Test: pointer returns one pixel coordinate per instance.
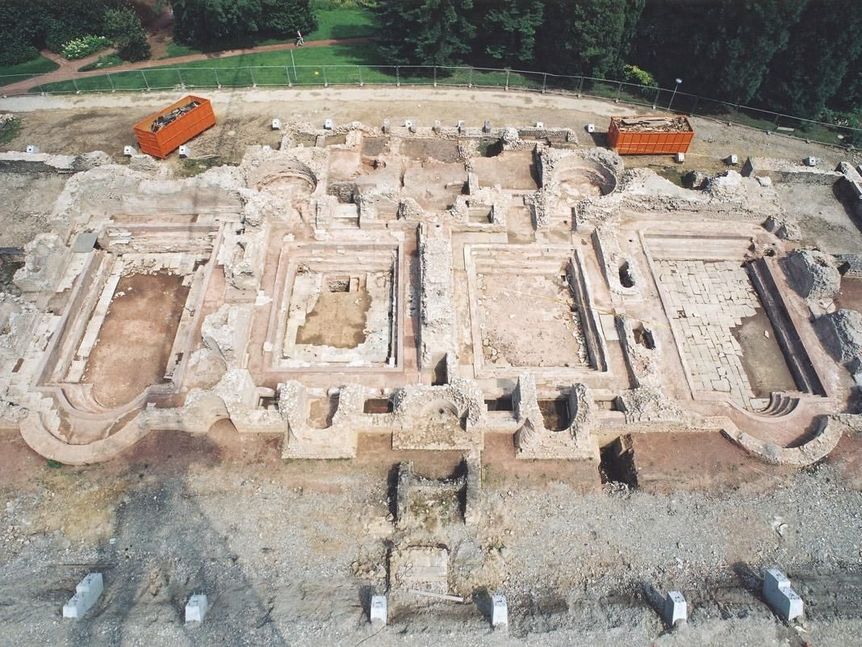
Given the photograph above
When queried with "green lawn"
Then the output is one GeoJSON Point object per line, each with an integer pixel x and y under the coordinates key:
{"type": "Point", "coordinates": [343, 23]}
{"type": "Point", "coordinates": [23, 71]}
{"type": "Point", "coordinates": [109, 60]}
{"type": "Point", "coordinates": [336, 64]}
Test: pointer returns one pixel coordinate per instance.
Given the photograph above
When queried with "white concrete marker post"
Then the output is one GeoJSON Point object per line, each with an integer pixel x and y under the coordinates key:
{"type": "Point", "coordinates": [185, 151]}
{"type": "Point", "coordinates": [86, 594]}
{"type": "Point", "coordinates": [591, 128]}
{"type": "Point", "coordinates": [377, 612]}
{"type": "Point", "coordinates": [31, 149]}
{"type": "Point", "coordinates": [680, 158]}
{"type": "Point", "coordinates": [785, 602]}
{"type": "Point", "coordinates": [276, 124]}
{"type": "Point", "coordinates": [328, 124]}
{"type": "Point", "coordinates": [499, 611]}
{"type": "Point", "coordinates": [196, 608]}
{"type": "Point", "coordinates": [128, 151]}
{"type": "Point", "coordinates": [675, 608]}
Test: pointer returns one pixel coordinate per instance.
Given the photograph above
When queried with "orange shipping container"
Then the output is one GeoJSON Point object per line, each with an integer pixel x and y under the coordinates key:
{"type": "Point", "coordinates": [650, 135]}
{"type": "Point", "coordinates": [171, 136]}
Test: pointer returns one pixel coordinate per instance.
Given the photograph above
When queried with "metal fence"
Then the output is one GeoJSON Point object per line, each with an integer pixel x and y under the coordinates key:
{"type": "Point", "coordinates": [190, 78]}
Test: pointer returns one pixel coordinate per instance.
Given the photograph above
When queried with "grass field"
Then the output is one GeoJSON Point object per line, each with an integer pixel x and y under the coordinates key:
{"type": "Point", "coordinates": [22, 71]}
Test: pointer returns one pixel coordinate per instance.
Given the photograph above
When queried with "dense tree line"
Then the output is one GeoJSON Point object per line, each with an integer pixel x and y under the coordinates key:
{"type": "Point", "coordinates": [796, 56]}
{"type": "Point", "coordinates": [27, 26]}
{"type": "Point", "coordinates": [222, 23]}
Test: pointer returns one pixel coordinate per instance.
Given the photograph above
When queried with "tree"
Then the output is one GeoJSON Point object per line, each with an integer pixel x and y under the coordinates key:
{"type": "Point", "coordinates": [285, 17]}
{"type": "Point", "coordinates": [123, 26]}
{"type": "Point", "coordinates": [811, 68]}
{"type": "Point", "coordinates": [721, 48]}
{"type": "Point", "coordinates": [426, 32]}
{"type": "Point", "coordinates": [587, 37]}
{"type": "Point", "coordinates": [215, 22]}
{"type": "Point", "coordinates": [20, 31]}
{"type": "Point", "coordinates": [508, 33]}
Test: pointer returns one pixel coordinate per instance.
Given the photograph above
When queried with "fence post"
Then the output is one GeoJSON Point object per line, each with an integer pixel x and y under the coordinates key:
{"type": "Point", "coordinates": [397, 76]}
{"type": "Point", "coordinates": [470, 79]}
{"type": "Point", "coordinates": [111, 81]}
{"type": "Point", "coordinates": [75, 84]}
{"type": "Point", "coordinates": [180, 76]}
{"type": "Point", "coordinates": [359, 70]}
{"type": "Point", "coordinates": [146, 83]}
{"type": "Point", "coordinates": [325, 81]}
{"type": "Point", "coordinates": [218, 80]}
{"type": "Point", "coordinates": [694, 106]}
{"type": "Point", "coordinates": [619, 91]}
{"type": "Point", "coordinates": [287, 74]}
{"type": "Point", "coordinates": [251, 74]}
{"type": "Point", "coordinates": [544, 82]}
{"type": "Point", "coordinates": [580, 86]}
{"type": "Point", "coordinates": [508, 72]}
{"type": "Point", "coordinates": [435, 76]}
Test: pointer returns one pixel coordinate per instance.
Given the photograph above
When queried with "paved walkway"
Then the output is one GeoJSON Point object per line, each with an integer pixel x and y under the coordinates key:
{"type": "Point", "coordinates": [68, 70]}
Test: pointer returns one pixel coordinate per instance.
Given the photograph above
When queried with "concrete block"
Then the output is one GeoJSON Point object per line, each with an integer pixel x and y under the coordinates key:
{"type": "Point", "coordinates": [810, 161]}
{"type": "Point", "coordinates": [486, 127]}
{"type": "Point", "coordinates": [408, 124]}
{"type": "Point", "coordinates": [679, 158]}
{"type": "Point", "coordinates": [31, 149]}
{"type": "Point", "coordinates": [276, 124]}
{"type": "Point", "coordinates": [499, 611]}
{"type": "Point", "coordinates": [675, 608]}
{"type": "Point", "coordinates": [540, 124]}
{"type": "Point", "coordinates": [86, 594]}
{"type": "Point", "coordinates": [377, 612]}
{"type": "Point", "coordinates": [185, 151]}
{"type": "Point", "coordinates": [779, 595]}
{"type": "Point", "coordinates": [591, 128]}
{"type": "Point", "coordinates": [438, 125]}
{"type": "Point", "coordinates": [460, 126]}
{"type": "Point", "coordinates": [328, 124]}
{"type": "Point", "coordinates": [196, 608]}
{"type": "Point", "coordinates": [387, 127]}
{"type": "Point", "coordinates": [129, 151]}
{"type": "Point", "coordinates": [731, 160]}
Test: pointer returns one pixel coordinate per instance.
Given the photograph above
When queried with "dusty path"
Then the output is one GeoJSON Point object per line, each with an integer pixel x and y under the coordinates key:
{"type": "Point", "coordinates": [68, 70]}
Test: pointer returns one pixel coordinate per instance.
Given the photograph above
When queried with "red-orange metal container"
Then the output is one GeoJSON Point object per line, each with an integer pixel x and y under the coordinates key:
{"type": "Point", "coordinates": [170, 137]}
{"type": "Point", "coordinates": [648, 142]}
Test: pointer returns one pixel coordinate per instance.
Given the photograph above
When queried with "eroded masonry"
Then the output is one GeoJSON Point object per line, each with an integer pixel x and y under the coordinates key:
{"type": "Point", "coordinates": [432, 285]}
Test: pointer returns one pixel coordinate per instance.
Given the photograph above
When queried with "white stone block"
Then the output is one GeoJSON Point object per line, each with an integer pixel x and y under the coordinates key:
{"type": "Point", "coordinates": [129, 151]}
{"type": "Point", "coordinates": [408, 124]}
{"type": "Point", "coordinates": [486, 127]}
{"type": "Point", "coordinates": [675, 608]}
{"type": "Point", "coordinates": [328, 124]}
{"type": "Point", "coordinates": [732, 160]}
{"type": "Point", "coordinates": [276, 124]}
{"type": "Point", "coordinates": [377, 612]}
{"type": "Point", "coordinates": [86, 594]}
{"type": "Point", "coordinates": [679, 158]}
{"type": "Point", "coordinates": [811, 161]}
{"type": "Point", "coordinates": [779, 595]}
{"type": "Point", "coordinates": [196, 608]}
{"type": "Point", "coordinates": [499, 611]}
{"type": "Point", "coordinates": [31, 149]}
{"type": "Point", "coordinates": [185, 151]}
{"type": "Point", "coordinates": [591, 128]}
{"type": "Point", "coordinates": [540, 124]}
{"type": "Point", "coordinates": [387, 126]}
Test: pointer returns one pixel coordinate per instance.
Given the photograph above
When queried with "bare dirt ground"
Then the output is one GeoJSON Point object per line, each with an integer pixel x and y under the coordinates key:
{"type": "Point", "coordinates": [276, 545]}
{"type": "Point", "coordinates": [338, 319]}
{"type": "Point", "coordinates": [543, 306]}
{"type": "Point", "coordinates": [136, 337]}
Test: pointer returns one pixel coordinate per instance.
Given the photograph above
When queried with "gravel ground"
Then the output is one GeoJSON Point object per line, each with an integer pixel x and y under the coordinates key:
{"type": "Point", "coordinates": [288, 551]}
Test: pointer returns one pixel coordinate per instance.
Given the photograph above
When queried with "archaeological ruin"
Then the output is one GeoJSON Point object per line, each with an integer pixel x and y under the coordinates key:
{"type": "Point", "coordinates": [434, 286]}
